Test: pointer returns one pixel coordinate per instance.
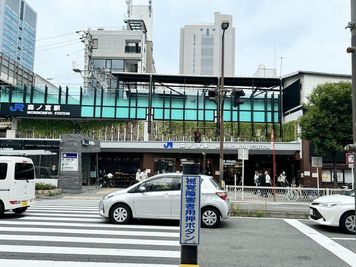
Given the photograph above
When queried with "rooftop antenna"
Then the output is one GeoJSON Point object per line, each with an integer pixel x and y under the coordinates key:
{"type": "Point", "coordinates": [150, 7]}
{"type": "Point", "coordinates": [129, 3]}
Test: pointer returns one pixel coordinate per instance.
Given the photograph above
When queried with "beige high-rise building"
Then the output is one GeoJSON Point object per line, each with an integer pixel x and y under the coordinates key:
{"type": "Point", "coordinates": [200, 48]}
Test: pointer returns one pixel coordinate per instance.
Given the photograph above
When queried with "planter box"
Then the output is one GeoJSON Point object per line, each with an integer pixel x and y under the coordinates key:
{"type": "Point", "coordinates": [51, 192]}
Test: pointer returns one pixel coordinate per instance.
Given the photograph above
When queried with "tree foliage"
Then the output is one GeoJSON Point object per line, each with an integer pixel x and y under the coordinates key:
{"type": "Point", "coordinates": [327, 122]}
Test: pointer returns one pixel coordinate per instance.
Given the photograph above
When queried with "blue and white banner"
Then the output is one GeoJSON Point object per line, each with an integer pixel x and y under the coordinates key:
{"type": "Point", "coordinates": [190, 210]}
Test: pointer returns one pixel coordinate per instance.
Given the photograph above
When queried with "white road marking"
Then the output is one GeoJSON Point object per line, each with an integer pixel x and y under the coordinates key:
{"type": "Point", "coordinates": [22, 263]}
{"type": "Point", "coordinates": [90, 225]}
{"type": "Point", "coordinates": [58, 219]}
{"type": "Point", "coordinates": [64, 208]}
{"type": "Point", "coordinates": [72, 239]}
{"type": "Point", "coordinates": [64, 211]}
{"type": "Point", "coordinates": [90, 231]}
{"type": "Point", "coordinates": [90, 251]}
{"type": "Point", "coordinates": [63, 215]}
{"type": "Point", "coordinates": [343, 253]}
{"type": "Point", "coordinates": [343, 238]}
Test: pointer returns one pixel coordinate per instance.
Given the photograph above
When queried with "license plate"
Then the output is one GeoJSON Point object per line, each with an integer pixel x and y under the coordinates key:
{"type": "Point", "coordinates": [24, 203]}
{"type": "Point", "coordinates": [311, 211]}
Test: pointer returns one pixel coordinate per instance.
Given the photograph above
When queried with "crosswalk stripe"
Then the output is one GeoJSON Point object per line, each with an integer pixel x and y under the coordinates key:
{"type": "Point", "coordinates": [64, 215]}
{"type": "Point", "coordinates": [90, 231]}
{"type": "Point", "coordinates": [61, 219]}
{"type": "Point", "coordinates": [90, 225]}
{"type": "Point", "coordinates": [90, 251]}
{"type": "Point", "coordinates": [21, 263]}
{"type": "Point", "coordinates": [65, 211]}
{"type": "Point", "coordinates": [76, 232]}
{"type": "Point", "coordinates": [72, 239]}
{"type": "Point", "coordinates": [64, 208]}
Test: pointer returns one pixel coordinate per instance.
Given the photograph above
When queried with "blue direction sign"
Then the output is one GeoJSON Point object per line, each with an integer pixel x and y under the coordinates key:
{"type": "Point", "coordinates": [190, 210]}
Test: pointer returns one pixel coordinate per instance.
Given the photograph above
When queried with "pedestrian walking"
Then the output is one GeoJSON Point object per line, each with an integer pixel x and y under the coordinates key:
{"type": "Point", "coordinates": [267, 179]}
{"type": "Point", "coordinates": [143, 175]}
{"type": "Point", "coordinates": [255, 179]}
{"type": "Point", "coordinates": [282, 179]}
{"type": "Point", "coordinates": [138, 175]}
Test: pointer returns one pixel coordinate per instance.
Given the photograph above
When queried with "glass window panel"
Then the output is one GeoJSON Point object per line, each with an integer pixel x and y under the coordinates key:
{"type": "Point", "coordinates": [259, 117]}
{"type": "Point", "coordinates": [190, 115]}
{"type": "Point", "coordinates": [118, 64]}
{"type": "Point", "coordinates": [97, 112]}
{"type": "Point", "coordinates": [108, 112]}
{"type": "Point", "coordinates": [122, 113]}
{"type": "Point", "coordinates": [245, 116]}
{"type": "Point", "coordinates": [108, 99]}
{"type": "Point", "coordinates": [108, 63]}
{"type": "Point", "coordinates": [141, 113]}
{"type": "Point", "coordinates": [99, 63]}
{"type": "Point", "coordinates": [3, 170]}
{"type": "Point", "coordinates": [88, 98]}
{"type": "Point", "coordinates": [158, 114]}
{"type": "Point", "coordinates": [87, 112]}
{"type": "Point", "coordinates": [38, 96]}
{"type": "Point", "coordinates": [177, 114]}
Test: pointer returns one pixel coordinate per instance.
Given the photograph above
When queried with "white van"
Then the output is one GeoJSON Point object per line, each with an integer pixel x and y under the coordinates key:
{"type": "Point", "coordinates": [17, 183]}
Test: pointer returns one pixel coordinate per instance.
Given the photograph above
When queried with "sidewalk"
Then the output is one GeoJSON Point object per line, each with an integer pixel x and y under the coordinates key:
{"type": "Point", "coordinates": [251, 208]}
{"type": "Point", "coordinates": [90, 192]}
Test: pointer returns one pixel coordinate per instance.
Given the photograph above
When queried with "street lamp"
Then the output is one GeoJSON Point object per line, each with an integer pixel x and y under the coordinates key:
{"type": "Point", "coordinates": [224, 26]}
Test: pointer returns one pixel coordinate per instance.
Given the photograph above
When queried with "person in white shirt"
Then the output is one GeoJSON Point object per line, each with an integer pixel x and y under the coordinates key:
{"type": "Point", "coordinates": [267, 178]}
{"type": "Point", "coordinates": [282, 179]}
{"type": "Point", "coordinates": [138, 175]}
{"type": "Point", "coordinates": [143, 175]}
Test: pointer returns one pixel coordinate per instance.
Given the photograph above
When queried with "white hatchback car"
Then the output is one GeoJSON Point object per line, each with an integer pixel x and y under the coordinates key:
{"type": "Point", "coordinates": [335, 210]}
{"type": "Point", "coordinates": [158, 197]}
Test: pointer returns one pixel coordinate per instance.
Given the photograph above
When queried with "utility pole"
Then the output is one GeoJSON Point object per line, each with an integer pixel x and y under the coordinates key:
{"type": "Point", "coordinates": [87, 39]}
{"type": "Point", "coordinates": [352, 26]}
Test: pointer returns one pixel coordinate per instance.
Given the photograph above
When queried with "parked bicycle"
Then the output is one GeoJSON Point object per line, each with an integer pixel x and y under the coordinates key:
{"type": "Point", "coordinates": [292, 194]}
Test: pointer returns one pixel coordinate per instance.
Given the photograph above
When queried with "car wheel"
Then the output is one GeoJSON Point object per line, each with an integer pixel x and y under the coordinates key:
{"type": "Point", "coordinates": [20, 210]}
{"type": "Point", "coordinates": [347, 222]}
{"type": "Point", "coordinates": [210, 217]}
{"type": "Point", "coordinates": [120, 213]}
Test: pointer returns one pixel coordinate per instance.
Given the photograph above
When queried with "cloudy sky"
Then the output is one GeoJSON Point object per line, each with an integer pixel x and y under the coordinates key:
{"type": "Point", "coordinates": [306, 34]}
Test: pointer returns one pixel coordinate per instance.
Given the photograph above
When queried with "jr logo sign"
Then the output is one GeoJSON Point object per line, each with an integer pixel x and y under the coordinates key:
{"type": "Point", "coordinates": [17, 107]}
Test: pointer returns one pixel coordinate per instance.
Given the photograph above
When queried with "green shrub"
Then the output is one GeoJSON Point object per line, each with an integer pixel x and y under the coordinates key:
{"type": "Point", "coordinates": [43, 186]}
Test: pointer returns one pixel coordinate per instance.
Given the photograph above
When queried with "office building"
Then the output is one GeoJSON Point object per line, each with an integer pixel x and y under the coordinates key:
{"type": "Point", "coordinates": [18, 32]}
{"type": "Point", "coordinates": [110, 51]}
{"type": "Point", "coordinates": [200, 48]}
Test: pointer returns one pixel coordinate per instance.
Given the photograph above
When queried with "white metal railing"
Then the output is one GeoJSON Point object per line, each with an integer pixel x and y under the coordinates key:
{"type": "Point", "coordinates": [279, 194]}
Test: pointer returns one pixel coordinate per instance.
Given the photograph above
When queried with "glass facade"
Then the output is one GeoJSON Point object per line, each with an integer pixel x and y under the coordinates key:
{"type": "Point", "coordinates": [19, 33]}
{"type": "Point", "coordinates": [134, 104]}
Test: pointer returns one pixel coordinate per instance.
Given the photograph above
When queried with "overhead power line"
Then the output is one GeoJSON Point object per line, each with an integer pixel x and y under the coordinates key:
{"type": "Point", "coordinates": [55, 36]}
{"type": "Point", "coordinates": [56, 43]}
{"type": "Point", "coordinates": [58, 46]}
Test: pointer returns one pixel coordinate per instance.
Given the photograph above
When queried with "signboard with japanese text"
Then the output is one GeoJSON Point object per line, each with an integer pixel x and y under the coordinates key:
{"type": "Point", "coordinates": [40, 110]}
{"type": "Point", "coordinates": [190, 210]}
{"type": "Point", "coordinates": [69, 162]}
{"type": "Point", "coordinates": [317, 162]}
{"type": "Point", "coordinates": [350, 158]}
{"type": "Point", "coordinates": [242, 154]}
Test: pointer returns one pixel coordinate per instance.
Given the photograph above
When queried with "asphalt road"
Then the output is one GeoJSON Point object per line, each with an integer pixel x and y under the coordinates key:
{"type": "Point", "coordinates": [268, 242]}
{"type": "Point", "coordinates": [71, 233]}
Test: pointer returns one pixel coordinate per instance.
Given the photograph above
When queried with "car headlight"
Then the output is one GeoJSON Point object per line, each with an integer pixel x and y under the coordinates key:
{"type": "Point", "coordinates": [329, 204]}
{"type": "Point", "coordinates": [107, 197]}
